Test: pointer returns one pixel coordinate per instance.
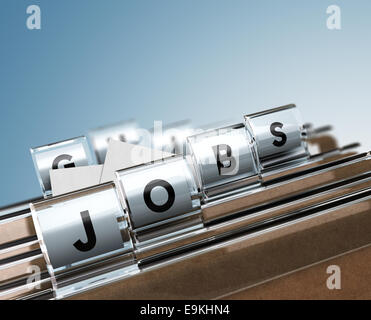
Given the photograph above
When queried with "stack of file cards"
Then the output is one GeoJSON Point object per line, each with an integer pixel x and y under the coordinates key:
{"type": "Point", "coordinates": [268, 207]}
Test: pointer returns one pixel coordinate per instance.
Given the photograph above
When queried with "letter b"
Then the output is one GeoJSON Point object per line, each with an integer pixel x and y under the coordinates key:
{"type": "Point", "coordinates": [224, 160]}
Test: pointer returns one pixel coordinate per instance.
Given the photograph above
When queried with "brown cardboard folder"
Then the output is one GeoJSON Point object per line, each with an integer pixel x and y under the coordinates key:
{"type": "Point", "coordinates": [275, 243]}
{"type": "Point", "coordinates": [284, 261]}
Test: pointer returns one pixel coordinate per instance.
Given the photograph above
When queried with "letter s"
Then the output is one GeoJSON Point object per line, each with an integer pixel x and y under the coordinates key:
{"type": "Point", "coordinates": [225, 162]}
{"type": "Point", "coordinates": [279, 134]}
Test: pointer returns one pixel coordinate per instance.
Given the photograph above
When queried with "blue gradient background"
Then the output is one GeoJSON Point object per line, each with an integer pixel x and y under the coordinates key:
{"type": "Point", "coordinates": [95, 62]}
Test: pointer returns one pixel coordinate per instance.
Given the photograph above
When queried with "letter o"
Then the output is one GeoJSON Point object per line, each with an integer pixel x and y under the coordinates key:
{"type": "Point", "coordinates": [147, 195]}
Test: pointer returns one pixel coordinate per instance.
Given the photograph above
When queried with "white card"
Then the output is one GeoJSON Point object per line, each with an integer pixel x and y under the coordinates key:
{"type": "Point", "coordinates": [72, 179]}
{"type": "Point", "coordinates": [122, 155]}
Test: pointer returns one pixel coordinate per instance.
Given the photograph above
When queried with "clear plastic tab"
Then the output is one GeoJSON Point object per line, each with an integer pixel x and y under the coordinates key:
{"type": "Point", "coordinates": [126, 131]}
{"type": "Point", "coordinates": [279, 135]}
{"type": "Point", "coordinates": [223, 157]}
{"type": "Point", "coordinates": [156, 192]}
{"type": "Point", "coordinates": [81, 228]}
{"type": "Point", "coordinates": [65, 154]}
{"type": "Point", "coordinates": [172, 137]}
